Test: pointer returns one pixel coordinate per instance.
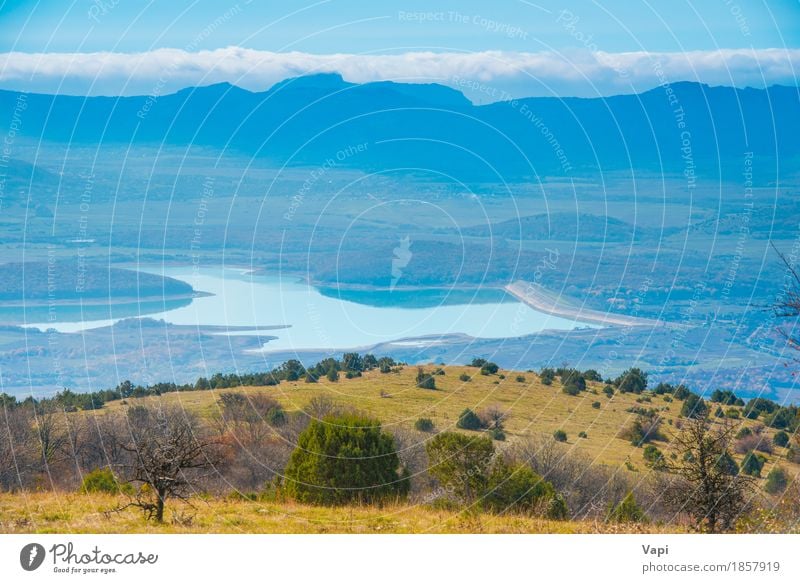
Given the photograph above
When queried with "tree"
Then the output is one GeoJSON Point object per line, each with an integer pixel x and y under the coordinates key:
{"type": "Point", "coordinates": [781, 439]}
{"type": "Point", "coordinates": [461, 464]}
{"type": "Point", "coordinates": [169, 453]}
{"type": "Point", "coordinates": [694, 406]}
{"type": "Point", "coordinates": [777, 480]}
{"type": "Point", "coordinates": [632, 380]}
{"type": "Point", "coordinates": [626, 511]}
{"type": "Point", "coordinates": [343, 459]}
{"type": "Point", "coordinates": [547, 375]}
{"type": "Point", "coordinates": [752, 464]}
{"type": "Point", "coordinates": [706, 488]}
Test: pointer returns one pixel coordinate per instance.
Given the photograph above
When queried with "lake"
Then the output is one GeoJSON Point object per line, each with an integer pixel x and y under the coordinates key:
{"type": "Point", "coordinates": [328, 318]}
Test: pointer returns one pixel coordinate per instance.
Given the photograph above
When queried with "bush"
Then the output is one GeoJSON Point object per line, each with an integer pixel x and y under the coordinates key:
{"type": "Point", "coordinates": [777, 480]}
{"type": "Point", "coordinates": [465, 378]}
{"type": "Point", "coordinates": [478, 362]}
{"type": "Point", "coordinates": [469, 420]}
{"type": "Point", "coordinates": [497, 434]}
{"type": "Point", "coordinates": [489, 368]}
{"type": "Point", "coordinates": [627, 511]}
{"type": "Point", "coordinates": [332, 375]}
{"type": "Point", "coordinates": [596, 405]}
{"type": "Point", "coordinates": [752, 464]}
{"type": "Point", "coordinates": [732, 413]}
{"type": "Point", "coordinates": [345, 459]}
{"type": "Point", "coordinates": [102, 480]}
{"type": "Point", "coordinates": [517, 488]}
{"type": "Point", "coordinates": [592, 375]}
{"type": "Point", "coordinates": [520, 378]}
{"type": "Point", "coordinates": [583, 435]}
{"type": "Point", "coordinates": [572, 390]}
{"type": "Point", "coordinates": [632, 380]}
{"type": "Point", "coordinates": [781, 439]}
{"type": "Point", "coordinates": [609, 391]}
{"type": "Point", "coordinates": [694, 407]}
{"type": "Point", "coordinates": [653, 457]}
{"type": "Point", "coordinates": [547, 376]}
{"type": "Point", "coordinates": [643, 429]}
{"type": "Point", "coordinates": [425, 380]}
{"type": "Point", "coordinates": [560, 435]}
{"type": "Point", "coordinates": [744, 432]}
{"type": "Point", "coordinates": [681, 392]}
{"type": "Point", "coordinates": [461, 464]}
{"type": "Point", "coordinates": [753, 442]}
{"type": "Point", "coordinates": [423, 424]}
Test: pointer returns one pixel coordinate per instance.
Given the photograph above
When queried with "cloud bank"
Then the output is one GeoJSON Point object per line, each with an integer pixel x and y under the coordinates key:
{"type": "Point", "coordinates": [483, 76]}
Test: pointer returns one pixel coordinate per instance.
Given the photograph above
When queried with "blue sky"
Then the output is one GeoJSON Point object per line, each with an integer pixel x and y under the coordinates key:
{"type": "Point", "coordinates": [551, 46]}
{"type": "Point", "coordinates": [359, 26]}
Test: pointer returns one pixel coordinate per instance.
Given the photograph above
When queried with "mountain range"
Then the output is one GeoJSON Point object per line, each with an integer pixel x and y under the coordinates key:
{"type": "Point", "coordinates": [682, 127]}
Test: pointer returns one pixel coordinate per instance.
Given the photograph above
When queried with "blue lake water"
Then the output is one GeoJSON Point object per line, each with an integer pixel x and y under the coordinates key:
{"type": "Point", "coordinates": [331, 318]}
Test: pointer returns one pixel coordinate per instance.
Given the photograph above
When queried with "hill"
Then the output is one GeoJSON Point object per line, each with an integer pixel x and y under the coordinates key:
{"type": "Point", "coordinates": [687, 127]}
{"type": "Point", "coordinates": [533, 409]}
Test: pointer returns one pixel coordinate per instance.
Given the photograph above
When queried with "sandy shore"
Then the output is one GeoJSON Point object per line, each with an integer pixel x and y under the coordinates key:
{"type": "Point", "coordinates": [548, 302]}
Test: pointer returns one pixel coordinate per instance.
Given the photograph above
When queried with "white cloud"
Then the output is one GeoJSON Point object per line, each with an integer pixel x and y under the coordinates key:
{"type": "Point", "coordinates": [484, 76]}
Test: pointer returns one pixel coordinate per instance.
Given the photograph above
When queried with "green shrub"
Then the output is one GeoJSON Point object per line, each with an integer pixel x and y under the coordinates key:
{"type": "Point", "coordinates": [425, 380]}
{"type": "Point", "coordinates": [732, 414]}
{"type": "Point", "coordinates": [744, 432]}
{"type": "Point", "coordinates": [547, 376]}
{"type": "Point", "coordinates": [345, 459]}
{"type": "Point", "coordinates": [102, 480]}
{"type": "Point", "coordinates": [781, 439]}
{"type": "Point", "coordinates": [465, 378]}
{"type": "Point", "coordinates": [609, 391]}
{"type": "Point", "coordinates": [461, 464]}
{"type": "Point", "coordinates": [777, 480]}
{"type": "Point", "coordinates": [469, 420]}
{"type": "Point", "coordinates": [571, 389]}
{"type": "Point", "coordinates": [497, 434]}
{"type": "Point", "coordinates": [627, 511]}
{"type": "Point", "coordinates": [681, 392]}
{"type": "Point", "coordinates": [516, 488]}
{"type": "Point", "coordinates": [596, 405]}
{"type": "Point", "coordinates": [332, 375]}
{"type": "Point", "coordinates": [653, 457]}
{"type": "Point", "coordinates": [423, 424]}
{"type": "Point", "coordinates": [520, 378]}
{"type": "Point", "coordinates": [489, 368]}
{"type": "Point", "coordinates": [752, 464]}
{"type": "Point", "coordinates": [633, 380]}
{"type": "Point", "coordinates": [693, 407]}
{"type": "Point", "coordinates": [560, 435]}
{"type": "Point", "coordinates": [583, 435]}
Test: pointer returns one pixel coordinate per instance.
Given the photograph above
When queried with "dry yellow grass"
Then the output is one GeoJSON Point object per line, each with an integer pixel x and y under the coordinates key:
{"type": "Point", "coordinates": [94, 513]}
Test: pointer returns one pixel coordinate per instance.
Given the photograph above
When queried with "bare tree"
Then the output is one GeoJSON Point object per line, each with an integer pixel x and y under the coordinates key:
{"type": "Point", "coordinates": [707, 485]}
{"type": "Point", "coordinates": [16, 451]}
{"type": "Point", "coordinates": [169, 454]}
{"type": "Point", "coordinates": [787, 304]}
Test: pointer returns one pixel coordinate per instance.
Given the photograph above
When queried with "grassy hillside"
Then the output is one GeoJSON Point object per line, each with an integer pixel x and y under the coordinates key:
{"type": "Point", "coordinates": [82, 513]}
{"type": "Point", "coordinates": [534, 408]}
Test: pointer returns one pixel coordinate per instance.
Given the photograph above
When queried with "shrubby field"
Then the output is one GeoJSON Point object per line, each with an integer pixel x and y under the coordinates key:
{"type": "Point", "coordinates": [366, 444]}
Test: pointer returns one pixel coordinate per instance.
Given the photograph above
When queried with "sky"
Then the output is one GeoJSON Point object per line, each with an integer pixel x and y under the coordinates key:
{"type": "Point", "coordinates": [488, 49]}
